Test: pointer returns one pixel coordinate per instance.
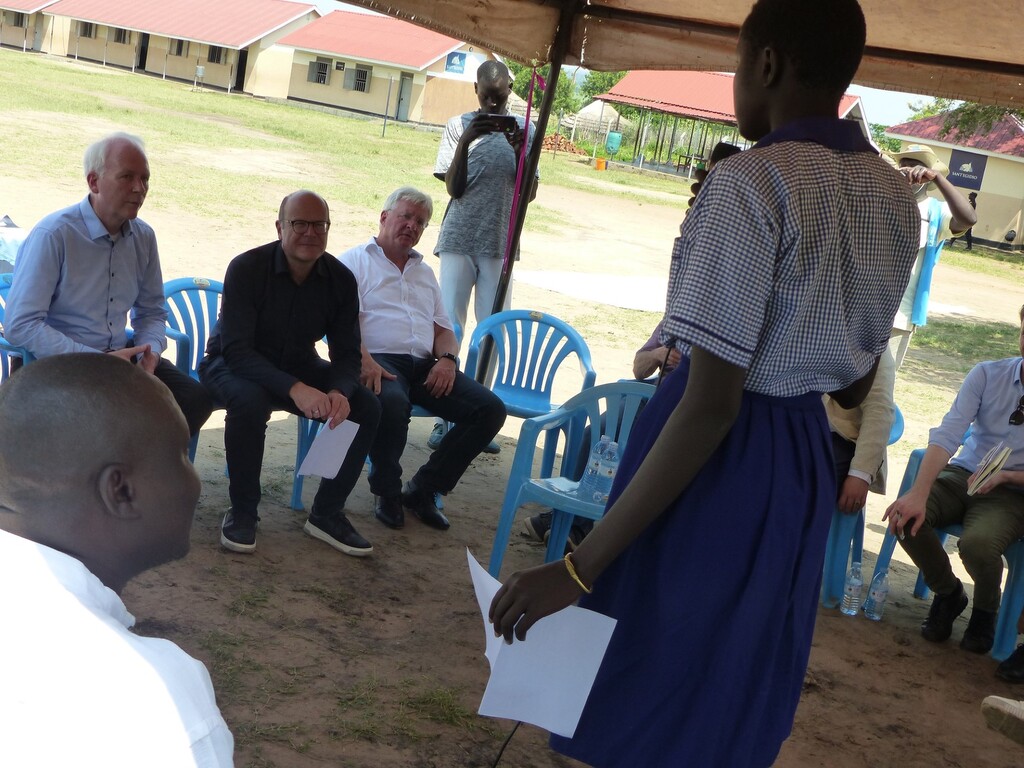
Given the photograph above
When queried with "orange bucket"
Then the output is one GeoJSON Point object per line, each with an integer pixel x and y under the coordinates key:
{"type": "Point", "coordinates": [600, 164]}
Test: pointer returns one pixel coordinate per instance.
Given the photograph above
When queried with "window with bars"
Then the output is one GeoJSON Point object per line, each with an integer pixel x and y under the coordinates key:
{"type": "Point", "coordinates": [86, 29]}
{"type": "Point", "coordinates": [215, 55]}
{"type": "Point", "coordinates": [357, 78]}
{"type": "Point", "coordinates": [319, 71]}
{"type": "Point", "coordinates": [120, 36]}
{"type": "Point", "coordinates": [178, 48]}
{"type": "Point", "coordinates": [18, 20]}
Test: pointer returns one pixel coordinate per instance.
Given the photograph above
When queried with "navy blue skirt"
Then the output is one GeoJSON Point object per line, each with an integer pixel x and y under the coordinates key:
{"type": "Point", "coordinates": [716, 600]}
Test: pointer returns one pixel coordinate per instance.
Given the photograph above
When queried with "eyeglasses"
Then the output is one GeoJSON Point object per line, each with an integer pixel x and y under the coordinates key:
{"type": "Point", "coordinates": [300, 226]}
{"type": "Point", "coordinates": [1017, 417]}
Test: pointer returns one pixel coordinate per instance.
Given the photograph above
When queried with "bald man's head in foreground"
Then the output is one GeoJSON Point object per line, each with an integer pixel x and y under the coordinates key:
{"type": "Point", "coordinates": [94, 456]}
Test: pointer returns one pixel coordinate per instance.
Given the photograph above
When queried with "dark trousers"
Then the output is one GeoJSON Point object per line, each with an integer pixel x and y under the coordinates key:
{"type": "Point", "coordinates": [189, 394]}
{"type": "Point", "coordinates": [249, 406]}
{"type": "Point", "coordinates": [476, 412]}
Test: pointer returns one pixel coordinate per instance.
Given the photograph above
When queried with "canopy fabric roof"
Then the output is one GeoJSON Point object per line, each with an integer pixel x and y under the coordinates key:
{"type": "Point", "coordinates": [921, 47]}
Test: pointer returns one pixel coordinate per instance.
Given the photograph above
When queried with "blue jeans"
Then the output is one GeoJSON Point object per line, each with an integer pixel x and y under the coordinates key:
{"type": "Point", "coordinates": [476, 412]}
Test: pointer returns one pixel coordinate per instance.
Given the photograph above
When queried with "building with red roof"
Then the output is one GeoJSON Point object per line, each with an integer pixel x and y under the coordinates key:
{"type": "Point", "coordinates": [989, 162]}
{"type": "Point", "coordinates": [377, 65]}
{"type": "Point", "coordinates": [22, 23]}
{"type": "Point", "coordinates": [219, 42]}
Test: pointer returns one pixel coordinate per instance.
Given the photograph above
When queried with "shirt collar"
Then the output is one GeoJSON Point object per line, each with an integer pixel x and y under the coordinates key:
{"type": "Point", "coordinates": [831, 132]}
{"type": "Point", "coordinates": [93, 224]}
{"type": "Point", "coordinates": [374, 246]}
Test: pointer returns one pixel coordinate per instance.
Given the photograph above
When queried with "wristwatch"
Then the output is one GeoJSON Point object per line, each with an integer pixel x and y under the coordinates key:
{"type": "Point", "coordinates": [449, 356]}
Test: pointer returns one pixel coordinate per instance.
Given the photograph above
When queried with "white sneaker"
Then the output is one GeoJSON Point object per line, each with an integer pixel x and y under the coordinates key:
{"type": "Point", "coordinates": [1005, 716]}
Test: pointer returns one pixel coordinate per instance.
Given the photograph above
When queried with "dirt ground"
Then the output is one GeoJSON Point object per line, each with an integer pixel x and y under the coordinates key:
{"type": "Point", "coordinates": [321, 659]}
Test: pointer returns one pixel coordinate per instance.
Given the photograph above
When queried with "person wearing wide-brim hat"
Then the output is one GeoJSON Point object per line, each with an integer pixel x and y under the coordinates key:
{"type": "Point", "coordinates": [941, 219]}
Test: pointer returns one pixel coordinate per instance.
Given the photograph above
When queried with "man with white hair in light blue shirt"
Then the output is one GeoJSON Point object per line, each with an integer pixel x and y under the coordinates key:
{"type": "Point", "coordinates": [83, 269]}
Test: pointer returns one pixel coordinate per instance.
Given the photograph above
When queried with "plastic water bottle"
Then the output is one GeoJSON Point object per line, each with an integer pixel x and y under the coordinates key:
{"type": "Point", "coordinates": [877, 595]}
{"type": "Point", "coordinates": [588, 483]}
{"type": "Point", "coordinates": [609, 466]}
{"type": "Point", "coordinates": [852, 591]}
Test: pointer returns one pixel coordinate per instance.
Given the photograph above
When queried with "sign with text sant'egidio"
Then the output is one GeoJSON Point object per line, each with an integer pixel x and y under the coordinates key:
{"type": "Point", "coordinates": [966, 169]}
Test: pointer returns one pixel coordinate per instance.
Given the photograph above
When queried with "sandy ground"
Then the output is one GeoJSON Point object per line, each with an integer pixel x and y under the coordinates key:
{"type": "Point", "coordinates": [320, 659]}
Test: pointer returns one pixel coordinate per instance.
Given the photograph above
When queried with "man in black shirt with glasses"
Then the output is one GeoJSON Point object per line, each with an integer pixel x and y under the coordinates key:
{"type": "Point", "coordinates": [279, 300]}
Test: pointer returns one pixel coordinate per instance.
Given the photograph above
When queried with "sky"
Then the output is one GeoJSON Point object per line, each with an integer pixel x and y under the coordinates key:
{"type": "Point", "coordinates": [886, 107]}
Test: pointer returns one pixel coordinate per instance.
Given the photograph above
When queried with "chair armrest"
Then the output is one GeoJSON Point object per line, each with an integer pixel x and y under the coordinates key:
{"type": "Point", "coordinates": [24, 354]}
{"type": "Point", "coordinates": [183, 356]}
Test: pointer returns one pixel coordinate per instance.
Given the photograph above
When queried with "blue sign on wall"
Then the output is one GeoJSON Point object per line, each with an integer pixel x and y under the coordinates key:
{"type": "Point", "coordinates": [456, 63]}
{"type": "Point", "coordinates": [966, 169]}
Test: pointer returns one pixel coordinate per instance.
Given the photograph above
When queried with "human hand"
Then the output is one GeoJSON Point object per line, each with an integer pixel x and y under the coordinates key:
{"type": "Point", "coordinates": [441, 378]}
{"type": "Point", "coordinates": [371, 374]}
{"type": "Point", "coordinates": [149, 360]}
{"type": "Point", "coordinates": [528, 596]}
{"type": "Point", "coordinates": [130, 353]}
{"type": "Point", "coordinates": [313, 403]}
{"type": "Point", "coordinates": [852, 495]}
{"type": "Point", "coordinates": [906, 509]}
{"type": "Point", "coordinates": [674, 356]}
{"type": "Point", "coordinates": [1001, 477]}
{"type": "Point", "coordinates": [483, 124]}
{"type": "Point", "coordinates": [340, 408]}
{"type": "Point", "coordinates": [918, 174]}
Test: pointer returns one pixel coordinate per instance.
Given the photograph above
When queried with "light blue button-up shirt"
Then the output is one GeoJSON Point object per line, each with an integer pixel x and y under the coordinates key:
{"type": "Point", "coordinates": [989, 394]}
{"type": "Point", "coordinates": [74, 286]}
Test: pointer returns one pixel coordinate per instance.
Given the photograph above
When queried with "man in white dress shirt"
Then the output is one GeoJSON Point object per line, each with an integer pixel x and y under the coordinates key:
{"type": "Point", "coordinates": [410, 358]}
{"type": "Point", "coordinates": [97, 488]}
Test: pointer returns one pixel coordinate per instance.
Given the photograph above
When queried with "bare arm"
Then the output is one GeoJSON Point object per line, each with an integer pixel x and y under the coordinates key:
{"type": "Point", "coordinates": [693, 431]}
{"type": "Point", "coordinates": [910, 507]}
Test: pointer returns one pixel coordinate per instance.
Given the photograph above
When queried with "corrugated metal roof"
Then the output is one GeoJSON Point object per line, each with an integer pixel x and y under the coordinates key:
{"type": "Point", "coordinates": [25, 6]}
{"type": "Point", "coordinates": [1006, 136]}
{"type": "Point", "coordinates": [372, 38]}
{"type": "Point", "coordinates": [226, 23]}
{"type": "Point", "coordinates": [701, 95]}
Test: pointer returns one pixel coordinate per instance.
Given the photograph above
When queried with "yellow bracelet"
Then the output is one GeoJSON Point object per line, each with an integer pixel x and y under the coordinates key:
{"type": "Point", "coordinates": [575, 576]}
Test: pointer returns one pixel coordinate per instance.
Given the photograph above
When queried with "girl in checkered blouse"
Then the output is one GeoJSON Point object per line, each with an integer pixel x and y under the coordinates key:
{"type": "Point", "coordinates": [783, 285]}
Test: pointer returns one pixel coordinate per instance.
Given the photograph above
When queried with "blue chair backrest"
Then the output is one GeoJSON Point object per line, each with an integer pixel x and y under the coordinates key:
{"type": "Point", "coordinates": [192, 304]}
{"type": "Point", "coordinates": [896, 430]}
{"type": "Point", "coordinates": [609, 409]}
{"type": "Point", "coordinates": [529, 347]}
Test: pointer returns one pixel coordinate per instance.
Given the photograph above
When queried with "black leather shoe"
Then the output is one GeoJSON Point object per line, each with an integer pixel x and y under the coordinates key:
{"type": "Point", "coordinates": [389, 510]}
{"type": "Point", "coordinates": [421, 503]}
{"type": "Point", "coordinates": [945, 608]}
{"type": "Point", "coordinates": [980, 633]}
{"type": "Point", "coordinates": [1012, 668]}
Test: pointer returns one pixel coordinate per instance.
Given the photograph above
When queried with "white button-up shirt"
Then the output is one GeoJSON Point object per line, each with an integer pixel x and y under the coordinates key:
{"type": "Point", "coordinates": [397, 308]}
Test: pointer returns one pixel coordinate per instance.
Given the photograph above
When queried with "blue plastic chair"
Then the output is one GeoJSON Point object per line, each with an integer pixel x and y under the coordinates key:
{"type": "Point", "coordinates": [7, 350]}
{"type": "Point", "coordinates": [846, 538]}
{"type": "Point", "coordinates": [619, 403]}
{"type": "Point", "coordinates": [1012, 602]}
{"type": "Point", "coordinates": [529, 347]}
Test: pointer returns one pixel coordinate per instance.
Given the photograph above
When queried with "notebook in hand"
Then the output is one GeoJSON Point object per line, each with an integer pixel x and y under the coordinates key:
{"type": "Point", "coordinates": [988, 466]}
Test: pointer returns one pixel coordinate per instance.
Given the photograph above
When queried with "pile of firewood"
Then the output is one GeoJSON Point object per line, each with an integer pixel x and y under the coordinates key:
{"type": "Point", "coordinates": [556, 142]}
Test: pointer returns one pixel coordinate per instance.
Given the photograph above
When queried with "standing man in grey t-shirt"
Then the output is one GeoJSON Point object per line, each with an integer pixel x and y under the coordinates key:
{"type": "Point", "coordinates": [477, 160]}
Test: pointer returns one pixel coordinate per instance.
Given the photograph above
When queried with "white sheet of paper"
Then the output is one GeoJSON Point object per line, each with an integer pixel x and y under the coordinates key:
{"type": "Point", "coordinates": [329, 449]}
{"type": "Point", "coordinates": [546, 679]}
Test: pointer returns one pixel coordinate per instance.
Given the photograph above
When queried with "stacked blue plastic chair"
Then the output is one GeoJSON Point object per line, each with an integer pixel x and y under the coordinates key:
{"type": "Point", "coordinates": [846, 538]}
{"type": "Point", "coordinates": [529, 347]}
{"type": "Point", "coordinates": [615, 406]}
{"type": "Point", "coordinates": [1012, 602]}
{"type": "Point", "coordinates": [7, 350]}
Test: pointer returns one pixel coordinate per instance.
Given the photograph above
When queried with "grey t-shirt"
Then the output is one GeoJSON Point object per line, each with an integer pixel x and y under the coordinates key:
{"type": "Point", "coordinates": [477, 223]}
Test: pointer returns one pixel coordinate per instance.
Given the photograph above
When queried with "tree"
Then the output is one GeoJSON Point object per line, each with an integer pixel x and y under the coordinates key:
{"type": "Point", "coordinates": [597, 83]}
{"type": "Point", "coordinates": [566, 98]}
{"type": "Point", "coordinates": [962, 118]}
{"type": "Point", "coordinates": [882, 141]}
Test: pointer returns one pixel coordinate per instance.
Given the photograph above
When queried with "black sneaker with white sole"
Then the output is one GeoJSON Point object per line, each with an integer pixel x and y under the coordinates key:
{"type": "Point", "coordinates": [238, 534]}
{"type": "Point", "coordinates": [337, 531]}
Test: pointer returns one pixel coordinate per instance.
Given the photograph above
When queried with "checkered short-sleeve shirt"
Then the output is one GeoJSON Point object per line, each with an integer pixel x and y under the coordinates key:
{"type": "Point", "coordinates": [791, 264]}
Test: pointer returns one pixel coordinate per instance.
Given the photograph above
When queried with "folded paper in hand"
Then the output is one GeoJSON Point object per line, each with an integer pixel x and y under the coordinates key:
{"type": "Point", "coordinates": [988, 466]}
{"type": "Point", "coordinates": [545, 679]}
{"type": "Point", "coordinates": [329, 449]}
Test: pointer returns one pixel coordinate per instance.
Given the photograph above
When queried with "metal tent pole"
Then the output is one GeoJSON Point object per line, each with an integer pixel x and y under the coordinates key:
{"type": "Point", "coordinates": [561, 44]}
